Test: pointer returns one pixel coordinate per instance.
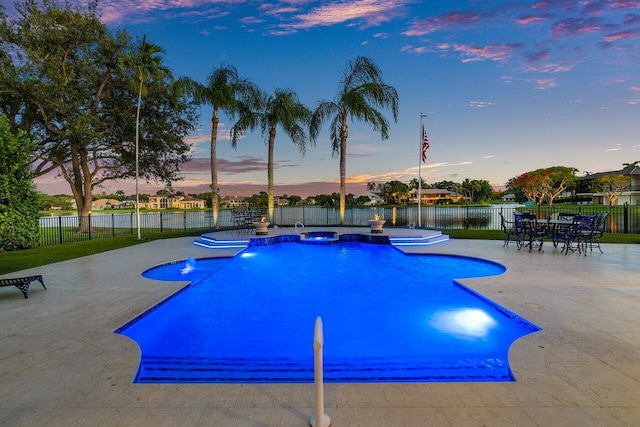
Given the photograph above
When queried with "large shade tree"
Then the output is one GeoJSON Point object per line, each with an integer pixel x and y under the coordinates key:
{"type": "Point", "coordinates": [225, 91]}
{"type": "Point", "coordinates": [146, 63]}
{"type": "Point", "coordinates": [284, 110]}
{"type": "Point", "coordinates": [612, 186]}
{"type": "Point", "coordinates": [362, 92]}
{"type": "Point", "coordinates": [545, 184]}
{"type": "Point", "coordinates": [63, 84]}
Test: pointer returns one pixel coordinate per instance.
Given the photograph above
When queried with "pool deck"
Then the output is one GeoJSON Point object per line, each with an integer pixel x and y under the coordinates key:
{"type": "Point", "coordinates": [61, 364]}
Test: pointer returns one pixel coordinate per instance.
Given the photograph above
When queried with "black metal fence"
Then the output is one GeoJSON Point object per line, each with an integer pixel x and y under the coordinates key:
{"type": "Point", "coordinates": [64, 229]}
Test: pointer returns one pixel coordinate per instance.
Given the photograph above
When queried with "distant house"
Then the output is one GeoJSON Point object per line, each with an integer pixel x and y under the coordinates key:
{"type": "Point", "coordinates": [102, 204]}
{"type": "Point", "coordinates": [630, 196]}
{"type": "Point", "coordinates": [280, 201]}
{"type": "Point", "coordinates": [430, 196]}
{"type": "Point", "coordinates": [233, 202]}
{"type": "Point", "coordinates": [129, 203]}
{"type": "Point", "coordinates": [174, 202]}
{"type": "Point", "coordinates": [374, 199]}
{"type": "Point", "coordinates": [508, 197]}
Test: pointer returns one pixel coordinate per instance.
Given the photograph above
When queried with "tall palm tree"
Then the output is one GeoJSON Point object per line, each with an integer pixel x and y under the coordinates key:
{"type": "Point", "coordinates": [225, 91]}
{"type": "Point", "coordinates": [361, 91]}
{"type": "Point", "coordinates": [282, 109]}
{"type": "Point", "coordinates": [147, 64]}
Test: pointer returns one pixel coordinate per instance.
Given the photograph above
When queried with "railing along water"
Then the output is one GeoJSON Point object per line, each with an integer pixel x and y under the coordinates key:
{"type": "Point", "coordinates": [56, 230]}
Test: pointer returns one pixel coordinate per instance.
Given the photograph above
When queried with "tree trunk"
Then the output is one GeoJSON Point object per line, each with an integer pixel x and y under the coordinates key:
{"type": "Point", "coordinates": [80, 182]}
{"type": "Point", "coordinates": [272, 140]}
{"type": "Point", "coordinates": [344, 133]}
{"type": "Point", "coordinates": [138, 161]}
{"type": "Point", "coordinates": [214, 168]}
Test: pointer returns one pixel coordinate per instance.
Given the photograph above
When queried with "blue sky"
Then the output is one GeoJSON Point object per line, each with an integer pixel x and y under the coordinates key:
{"type": "Point", "coordinates": [508, 86]}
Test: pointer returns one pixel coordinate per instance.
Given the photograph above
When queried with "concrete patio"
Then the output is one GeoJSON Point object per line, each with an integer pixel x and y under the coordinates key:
{"type": "Point", "coordinates": [61, 364]}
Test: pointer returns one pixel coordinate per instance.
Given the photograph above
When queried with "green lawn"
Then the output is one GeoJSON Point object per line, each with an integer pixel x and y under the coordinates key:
{"type": "Point", "coordinates": [20, 260]}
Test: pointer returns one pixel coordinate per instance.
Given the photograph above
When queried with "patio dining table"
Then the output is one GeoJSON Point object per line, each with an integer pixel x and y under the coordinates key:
{"type": "Point", "coordinates": [533, 231]}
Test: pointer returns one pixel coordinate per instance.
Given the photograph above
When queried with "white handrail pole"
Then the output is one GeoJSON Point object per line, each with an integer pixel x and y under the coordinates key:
{"type": "Point", "coordinates": [318, 377]}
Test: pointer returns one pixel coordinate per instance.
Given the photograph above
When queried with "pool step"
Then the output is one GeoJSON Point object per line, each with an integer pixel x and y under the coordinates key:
{"type": "Point", "coordinates": [283, 370]}
{"type": "Point", "coordinates": [430, 238]}
{"type": "Point", "coordinates": [212, 243]}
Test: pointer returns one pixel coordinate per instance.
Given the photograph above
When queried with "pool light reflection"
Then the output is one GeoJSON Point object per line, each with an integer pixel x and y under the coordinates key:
{"type": "Point", "coordinates": [468, 322]}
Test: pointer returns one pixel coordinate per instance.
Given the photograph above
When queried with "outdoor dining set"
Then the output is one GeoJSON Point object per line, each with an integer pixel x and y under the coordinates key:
{"type": "Point", "coordinates": [246, 218]}
{"type": "Point", "coordinates": [575, 232]}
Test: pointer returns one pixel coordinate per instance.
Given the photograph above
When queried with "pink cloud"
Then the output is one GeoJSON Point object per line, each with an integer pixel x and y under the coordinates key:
{"type": "Point", "coordinates": [447, 20]}
{"type": "Point", "coordinates": [621, 35]}
{"type": "Point", "coordinates": [551, 68]}
{"type": "Point", "coordinates": [531, 19]}
{"type": "Point", "coordinates": [625, 4]}
{"type": "Point", "coordinates": [373, 12]}
{"type": "Point", "coordinates": [575, 26]}
{"type": "Point", "coordinates": [632, 19]}
{"type": "Point", "coordinates": [493, 52]}
{"type": "Point", "coordinates": [542, 84]}
{"type": "Point", "coordinates": [140, 10]}
{"type": "Point", "coordinates": [538, 56]}
{"type": "Point", "coordinates": [415, 49]}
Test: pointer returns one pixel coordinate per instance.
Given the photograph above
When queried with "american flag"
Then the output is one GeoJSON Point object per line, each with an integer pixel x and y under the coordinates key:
{"type": "Point", "coordinates": [425, 145]}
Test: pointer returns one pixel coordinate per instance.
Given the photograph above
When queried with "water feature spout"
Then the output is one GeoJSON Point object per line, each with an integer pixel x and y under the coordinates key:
{"type": "Point", "coordinates": [298, 223]}
{"type": "Point", "coordinates": [190, 265]}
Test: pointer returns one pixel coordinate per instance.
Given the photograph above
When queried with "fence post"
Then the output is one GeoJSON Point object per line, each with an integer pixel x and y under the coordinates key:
{"type": "Point", "coordinates": [60, 227]}
{"type": "Point", "coordinates": [89, 226]}
{"type": "Point", "coordinates": [113, 225]}
{"type": "Point", "coordinates": [466, 218]}
{"type": "Point", "coordinates": [161, 227]}
{"type": "Point", "coordinates": [625, 218]}
{"type": "Point", "coordinates": [184, 221]}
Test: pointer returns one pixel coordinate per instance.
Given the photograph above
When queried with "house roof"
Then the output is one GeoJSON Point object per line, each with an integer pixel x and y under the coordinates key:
{"type": "Point", "coordinates": [629, 170]}
{"type": "Point", "coordinates": [370, 195]}
{"type": "Point", "coordinates": [103, 202]}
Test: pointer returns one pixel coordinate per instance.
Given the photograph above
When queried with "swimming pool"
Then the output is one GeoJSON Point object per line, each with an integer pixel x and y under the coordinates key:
{"type": "Point", "coordinates": [387, 316]}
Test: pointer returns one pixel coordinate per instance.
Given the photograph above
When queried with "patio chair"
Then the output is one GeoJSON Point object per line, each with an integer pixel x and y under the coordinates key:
{"type": "Point", "coordinates": [508, 228]}
{"type": "Point", "coordinates": [529, 232]}
{"type": "Point", "coordinates": [22, 283]}
{"type": "Point", "coordinates": [579, 234]}
{"type": "Point", "coordinates": [599, 225]}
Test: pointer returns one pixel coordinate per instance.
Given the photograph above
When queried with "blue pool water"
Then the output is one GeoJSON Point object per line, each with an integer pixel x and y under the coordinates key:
{"type": "Point", "coordinates": [387, 316]}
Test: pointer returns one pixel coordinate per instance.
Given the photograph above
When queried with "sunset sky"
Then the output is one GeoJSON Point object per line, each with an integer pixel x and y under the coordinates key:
{"type": "Point", "coordinates": [508, 86]}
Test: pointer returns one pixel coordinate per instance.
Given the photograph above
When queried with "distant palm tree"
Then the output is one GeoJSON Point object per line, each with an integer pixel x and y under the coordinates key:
{"type": "Point", "coordinates": [361, 91]}
{"type": "Point", "coordinates": [282, 109]}
{"type": "Point", "coordinates": [147, 64]}
{"type": "Point", "coordinates": [224, 91]}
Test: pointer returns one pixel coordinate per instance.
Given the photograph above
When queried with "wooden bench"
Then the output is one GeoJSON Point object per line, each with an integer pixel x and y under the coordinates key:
{"type": "Point", "coordinates": [22, 283]}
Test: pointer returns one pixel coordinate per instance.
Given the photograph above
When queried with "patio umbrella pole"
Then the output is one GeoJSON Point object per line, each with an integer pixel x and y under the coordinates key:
{"type": "Point", "coordinates": [318, 343]}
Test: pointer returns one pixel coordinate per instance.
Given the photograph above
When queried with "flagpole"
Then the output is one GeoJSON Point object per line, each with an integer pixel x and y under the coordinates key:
{"type": "Point", "coordinates": [421, 140]}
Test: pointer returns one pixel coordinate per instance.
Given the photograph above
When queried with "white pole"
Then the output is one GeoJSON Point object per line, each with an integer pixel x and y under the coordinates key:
{"type": "Point", "coordinates": [318, 343]}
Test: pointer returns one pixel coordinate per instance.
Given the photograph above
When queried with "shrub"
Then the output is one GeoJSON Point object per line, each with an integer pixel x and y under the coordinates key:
{"type": "Point", "coordinates": [19, 209]}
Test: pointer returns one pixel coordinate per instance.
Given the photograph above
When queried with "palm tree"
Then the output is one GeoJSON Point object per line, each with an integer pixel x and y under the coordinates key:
{"type": "Point", "coordinates": [224, 91]}
{"type": "Point", "coordinates": [361, 92]}
{"type": "Point", "coordinates": [147, 64]}
{"type": "Point", "coordinates": [283, 109]}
